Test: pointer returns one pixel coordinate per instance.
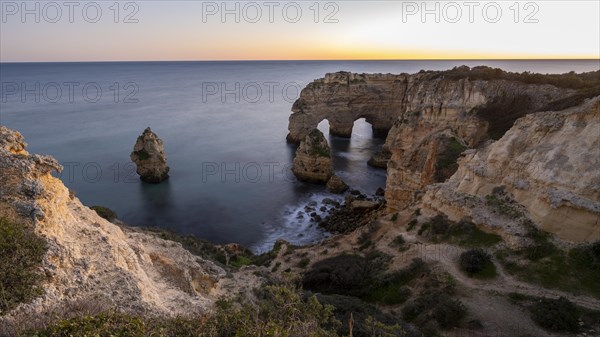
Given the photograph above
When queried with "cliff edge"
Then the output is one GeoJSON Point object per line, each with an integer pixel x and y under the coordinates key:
{"type": "Point", "coordinates": [91, 259]}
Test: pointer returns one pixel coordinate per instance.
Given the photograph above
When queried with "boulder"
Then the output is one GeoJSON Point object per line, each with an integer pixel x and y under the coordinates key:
{"type": "Point", "coordinates": [363, 205]}
{"type": "Point", "coordinates": [313, 159]}
{"type": "Point", "coordinates": [336, 185]}
{"type": "Point", "coordinates": [149, 157]}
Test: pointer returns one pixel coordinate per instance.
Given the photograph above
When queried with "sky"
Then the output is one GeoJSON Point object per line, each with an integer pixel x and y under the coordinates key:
{"type": "Point", "coordinates": [38, 31]}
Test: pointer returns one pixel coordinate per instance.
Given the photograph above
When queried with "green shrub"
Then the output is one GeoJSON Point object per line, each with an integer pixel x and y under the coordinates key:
{"type": "Point", "coordinates": [142, 154]}
{"type": "Point", "coordinates": [504, 205]}
{"type": "Point", "coordinates": [363, 277]}
{"type": "Point", "coordinates": [476, 262]}
{"type": "Point", "coordinates": [280, 310]}
{"type": "Point", "coordinates": [399, 240]}
{"type": "Point", "coordinates": [109, 323]}
{"type": "Point", "coordinates": [465, 233]}
{"type": "Point", "coordinates": [555, 314]}
{"type": "Point", "coordinates": [105, 212]}
{"type": "Point", "coordinates": [342, 274]}
{"type": "Point", "coordinates": [446, 162]}
{"type": "Point", "coordinates": [303, 263]}
{"type": "Point", "coordinates": [368, 320]}
{"type": "Point", "coordinates": [411, 225]}
{"type": "Point", "coordinates": [193, 244]}
{"type": "Point", "coordinates": [424, 228]}
{"type": "Point", "coordinates": [586, 256]}
{"type": "Point", "coordinates": [435, 306]}
{"type": "Point", "coordinates": [21, 255]}
{"type": "Point", "coordinates": [392, 288]}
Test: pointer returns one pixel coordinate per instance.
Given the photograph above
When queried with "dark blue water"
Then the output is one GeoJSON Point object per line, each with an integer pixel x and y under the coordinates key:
{"type": "Point", "coordinates": [223, 125]}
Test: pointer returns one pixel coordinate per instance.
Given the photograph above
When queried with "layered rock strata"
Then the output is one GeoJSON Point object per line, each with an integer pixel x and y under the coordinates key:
{"type": "Point", "coordinates": [548, 161]}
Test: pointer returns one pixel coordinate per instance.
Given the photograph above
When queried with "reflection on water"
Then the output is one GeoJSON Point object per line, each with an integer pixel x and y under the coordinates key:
{"type": "Point", "coordinates": [350, 156]}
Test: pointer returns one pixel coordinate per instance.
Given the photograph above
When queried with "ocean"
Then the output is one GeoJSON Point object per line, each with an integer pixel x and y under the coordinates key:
{"type": "Point", "coordinates": [223, 125]}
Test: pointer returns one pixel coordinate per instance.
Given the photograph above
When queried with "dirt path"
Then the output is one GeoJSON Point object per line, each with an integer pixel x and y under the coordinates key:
{"type": "Point", "coordinates": [447, 256]}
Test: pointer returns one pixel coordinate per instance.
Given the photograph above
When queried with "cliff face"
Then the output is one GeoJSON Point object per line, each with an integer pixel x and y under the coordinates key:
{"type": "Point", "coordinates": [548, 161]}
{"type": "Point", "coordinates": [417, 111]}
{"type": "Point", "coordinates": [91, 258]}
{"type": "Point", "coordinates": [468, 110]}
{"type": "Point", "coordinates": [381, 99]}
{"type": "Point", "coordinates": [432, 117]}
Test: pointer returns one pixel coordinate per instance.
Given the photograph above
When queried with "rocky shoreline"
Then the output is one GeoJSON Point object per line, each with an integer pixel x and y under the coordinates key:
{"type": "Point", "coordinates": [467, 222]}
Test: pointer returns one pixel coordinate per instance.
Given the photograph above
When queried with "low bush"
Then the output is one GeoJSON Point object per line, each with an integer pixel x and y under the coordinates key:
{"type": "Point", "coordinates": [363, 277]}
{"type": "Point", "coordinates": [303, 263]}
{"type": "Point", "coordinates": [367, 319]}
{"type": "Point", "coordinates": [477, 263]}
{"type": "Point", "coordinates": [446, 162]}
{"type": "Point", "coordinates": [196, 246]}
{"type": "Point", "coordinates": [400, 243]}
{"type": "Point", "coordinates": [279, 310]}
{"type": "Point", "coordinates": [434, 305]}
{"type": "Point", "coordinates": [21, 255]}
{"type": "Point", "coordinates": [463, 233]}
{"type": "Point", "coordinates": [105, 212]}
{"type": "Point", "coordinates": [555, 314]}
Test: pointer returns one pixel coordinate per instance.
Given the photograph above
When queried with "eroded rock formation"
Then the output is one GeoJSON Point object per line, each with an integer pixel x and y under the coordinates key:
{"type": "Point", "coordinates": [548, 161]}
{"type": "Point", "coordinates": [435, 96]}
{"type": "Point", "coordinates": [91, 259]}
{"type": "Point", "coordinates": [431, 160]}
{"type": "Point", "coordinates": [312, 162]}
{"type": "Point", "coordinates": [149, 157]}
{"type": "Point", "coordinates": [434, 116]}
{"type": "Point", "coordinates": [336, 185]}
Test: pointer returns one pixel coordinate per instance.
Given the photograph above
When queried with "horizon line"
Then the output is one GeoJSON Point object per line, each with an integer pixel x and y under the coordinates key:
{"type": "Point", "coordinates": [311, 60]}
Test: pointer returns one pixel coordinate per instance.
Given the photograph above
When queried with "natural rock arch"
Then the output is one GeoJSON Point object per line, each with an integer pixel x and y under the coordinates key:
{"type": "Point", "coordinates": [343, 98]}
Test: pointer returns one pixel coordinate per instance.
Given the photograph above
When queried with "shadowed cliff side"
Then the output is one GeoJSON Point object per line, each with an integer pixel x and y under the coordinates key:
{"type": "Point", "coordinates": [548, 162]}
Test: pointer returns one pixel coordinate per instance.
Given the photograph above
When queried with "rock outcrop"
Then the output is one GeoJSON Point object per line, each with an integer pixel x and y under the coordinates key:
{"type": "Point", "coordinates": [549, 162]}
{"type": "Point", "coordinates": [435, 96]}
{"type": "Point", "coordinates": [149, 157]}
{"type": "Point", "coordinates": [336, 185]}
{"type": "Point", "coordinates": [431, 160]}
{"type": "Point", "coordinates": [312, 162]}
{"type": "Point", "coordinates": [91, 259]}
{"type": "Point", "coordinates": [435, 117]}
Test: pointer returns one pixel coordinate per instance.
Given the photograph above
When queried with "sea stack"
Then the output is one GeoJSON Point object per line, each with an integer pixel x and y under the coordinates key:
{"type": "Point", "coordinates": [149, 157]}
{"type": "Point", "coordinates": [313, 159]}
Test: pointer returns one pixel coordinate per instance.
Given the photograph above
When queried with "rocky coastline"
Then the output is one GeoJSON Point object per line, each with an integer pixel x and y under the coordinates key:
{"type": "Point", "coordinates": [492, 185]}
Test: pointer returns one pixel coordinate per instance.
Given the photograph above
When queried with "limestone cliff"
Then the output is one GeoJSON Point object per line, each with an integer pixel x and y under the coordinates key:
{"type": "Point", "coordinates": [446, 98]}
{"type": "Point", "coordinates": [312, 162]}
{"type": "Point", "coordinates": [431, 117]}
{"type": "Point", "coordinates": [548, 161]}
{"type": "Point", "coordinates": [91, 259]}
{"type": "Point", "coordinates": [149, 157]}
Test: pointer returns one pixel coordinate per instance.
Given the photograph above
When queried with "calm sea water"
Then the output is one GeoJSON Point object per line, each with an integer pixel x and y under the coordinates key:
{"type": "Point", "coordinates": [223, 125]}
